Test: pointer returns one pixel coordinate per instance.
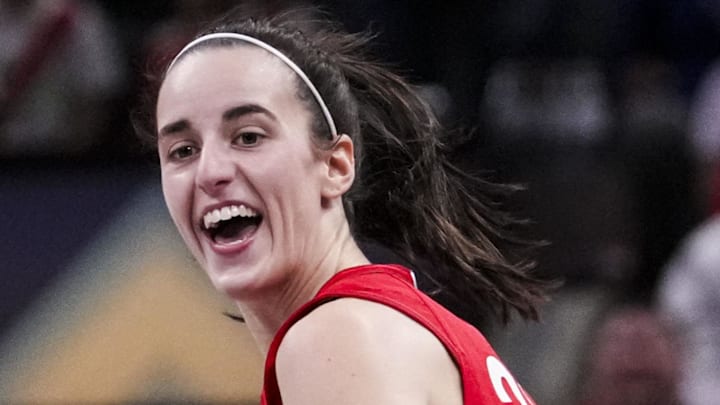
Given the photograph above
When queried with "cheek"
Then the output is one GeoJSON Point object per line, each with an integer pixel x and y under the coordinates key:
{"type": "Point", "coordinates": [176, 197]}
{"type": "Point", "coordinates": [291, 177]}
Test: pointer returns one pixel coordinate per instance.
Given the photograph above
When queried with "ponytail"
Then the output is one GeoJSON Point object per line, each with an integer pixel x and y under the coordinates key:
{"type": "Point", "coordinates": [413, 199]}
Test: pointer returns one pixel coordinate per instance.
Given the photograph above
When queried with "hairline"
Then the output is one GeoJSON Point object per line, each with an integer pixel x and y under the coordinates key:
{"type": "Point", "coordinates": [233, 39]}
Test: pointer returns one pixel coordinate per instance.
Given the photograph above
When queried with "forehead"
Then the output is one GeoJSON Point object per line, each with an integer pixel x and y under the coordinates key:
{"type": "Point", "coordinates": [219, 77]}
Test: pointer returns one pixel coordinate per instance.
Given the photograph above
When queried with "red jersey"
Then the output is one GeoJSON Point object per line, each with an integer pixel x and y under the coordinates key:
{"type": "Point", "coordinates": [486, 381]}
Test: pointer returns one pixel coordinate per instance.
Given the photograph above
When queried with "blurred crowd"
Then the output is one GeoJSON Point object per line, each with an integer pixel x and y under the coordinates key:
{"type": "Point", "coordinates": [608, 111]}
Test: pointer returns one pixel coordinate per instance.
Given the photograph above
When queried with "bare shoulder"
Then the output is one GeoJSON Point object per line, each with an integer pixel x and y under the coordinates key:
{"type": "Point", "coordinates": [355, 351]}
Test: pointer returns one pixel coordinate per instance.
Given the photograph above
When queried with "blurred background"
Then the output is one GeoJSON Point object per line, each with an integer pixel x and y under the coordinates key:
{"type": "Point", "coordinates": [607, 111]}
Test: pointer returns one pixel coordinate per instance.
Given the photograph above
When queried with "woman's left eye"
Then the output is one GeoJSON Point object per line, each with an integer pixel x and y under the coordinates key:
{"type": "Point", "coordinates": [248, 138]}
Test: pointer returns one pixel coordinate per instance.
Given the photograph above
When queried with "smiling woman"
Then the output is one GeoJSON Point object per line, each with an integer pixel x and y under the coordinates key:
{"type": "Point", "coordinates": [280, 148]}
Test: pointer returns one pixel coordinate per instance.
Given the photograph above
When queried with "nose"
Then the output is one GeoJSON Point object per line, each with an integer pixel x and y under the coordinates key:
{"type": "Point", "coordinates": [215, 170]}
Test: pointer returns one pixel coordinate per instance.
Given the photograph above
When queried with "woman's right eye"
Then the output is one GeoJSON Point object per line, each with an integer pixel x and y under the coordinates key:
{"type": "Point", "coordinates": [182, 152]}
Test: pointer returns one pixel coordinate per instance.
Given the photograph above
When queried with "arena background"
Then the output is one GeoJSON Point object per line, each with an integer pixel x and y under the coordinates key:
{"type": "Point", "coordinates": [586, 103]}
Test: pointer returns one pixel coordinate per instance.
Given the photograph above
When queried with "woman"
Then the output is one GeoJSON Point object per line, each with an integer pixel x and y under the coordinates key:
{"type": "Point", "coordinates": [280, 149]}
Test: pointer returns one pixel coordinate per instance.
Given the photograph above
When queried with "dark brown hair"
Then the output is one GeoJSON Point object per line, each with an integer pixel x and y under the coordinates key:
{"type": "Point", "coordinates": [408, 195]}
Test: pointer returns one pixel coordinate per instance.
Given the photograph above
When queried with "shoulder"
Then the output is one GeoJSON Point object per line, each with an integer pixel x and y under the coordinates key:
{"type": "Point", "coordinates": [356, 351]}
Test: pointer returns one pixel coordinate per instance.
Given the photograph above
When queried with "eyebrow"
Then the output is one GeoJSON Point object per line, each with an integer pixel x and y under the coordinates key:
{"type": "Point", "coordinates": [229, 115]}
{"type": "Point", "coordinates": [246, 109]}
{"type": "Point", "coordinates": [174, 128]}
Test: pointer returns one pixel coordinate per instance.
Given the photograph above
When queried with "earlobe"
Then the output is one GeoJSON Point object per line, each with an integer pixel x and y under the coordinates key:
{"type": "Point", "coordinates": [340, 168]}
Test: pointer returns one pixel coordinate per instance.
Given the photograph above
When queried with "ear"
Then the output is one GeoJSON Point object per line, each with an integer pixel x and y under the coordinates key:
{"type": "Point", "coordinates": [340, 163]}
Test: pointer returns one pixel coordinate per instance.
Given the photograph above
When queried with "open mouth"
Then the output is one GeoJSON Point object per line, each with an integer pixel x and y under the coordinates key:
{"type": "Point", "coordinates": [231, 224]}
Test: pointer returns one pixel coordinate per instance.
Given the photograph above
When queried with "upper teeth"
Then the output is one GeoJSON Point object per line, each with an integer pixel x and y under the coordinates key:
{"type": "Point", "coordinates": [212, 218]}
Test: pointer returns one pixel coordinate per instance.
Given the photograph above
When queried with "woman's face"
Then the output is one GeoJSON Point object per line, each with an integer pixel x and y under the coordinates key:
{"type": "Point", "coordinates": [241, 177]}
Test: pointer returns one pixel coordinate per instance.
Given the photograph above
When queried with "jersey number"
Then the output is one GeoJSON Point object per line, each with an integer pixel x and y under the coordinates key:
{"type": "Point", "coordinates": [498, 372]}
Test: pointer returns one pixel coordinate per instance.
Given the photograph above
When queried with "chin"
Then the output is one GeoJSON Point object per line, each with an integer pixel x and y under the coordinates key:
{"type": "Point", "coordinates": [236, 283]}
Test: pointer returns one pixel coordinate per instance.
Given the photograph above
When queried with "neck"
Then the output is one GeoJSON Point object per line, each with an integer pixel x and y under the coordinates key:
{"type": "Point", "coordinates": [265, 312]}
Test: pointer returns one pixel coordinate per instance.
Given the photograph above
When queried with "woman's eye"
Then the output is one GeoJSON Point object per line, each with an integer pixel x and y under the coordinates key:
{"type": "Point", "coordinates": [182, 152]}
{"type": "Point", "coordinates": [248, 138]}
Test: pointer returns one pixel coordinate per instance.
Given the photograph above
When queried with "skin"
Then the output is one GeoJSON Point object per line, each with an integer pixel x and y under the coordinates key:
{"type": "Point", "coordinates": [232, 130]}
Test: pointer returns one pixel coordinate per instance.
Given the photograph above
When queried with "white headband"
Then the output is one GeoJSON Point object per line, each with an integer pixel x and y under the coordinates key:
{"type": "Point", "coordinates": [272, 50]}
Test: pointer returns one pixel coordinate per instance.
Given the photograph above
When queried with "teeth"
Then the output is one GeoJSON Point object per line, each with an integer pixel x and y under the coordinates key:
{"type": "Point", "coordinates": [212, 218]}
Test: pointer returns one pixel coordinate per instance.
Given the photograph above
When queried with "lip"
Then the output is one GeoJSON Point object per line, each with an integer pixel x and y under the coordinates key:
{"type": "Point", "coordinates": [225, 248]}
